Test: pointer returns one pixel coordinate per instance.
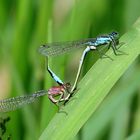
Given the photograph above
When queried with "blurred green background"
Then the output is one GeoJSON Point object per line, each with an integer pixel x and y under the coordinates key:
{"type": "Point", "coordinates": [25, 25]}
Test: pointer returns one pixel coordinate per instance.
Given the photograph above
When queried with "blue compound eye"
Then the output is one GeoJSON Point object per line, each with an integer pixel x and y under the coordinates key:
{"type": "Point", "coordinates": [115, 35]}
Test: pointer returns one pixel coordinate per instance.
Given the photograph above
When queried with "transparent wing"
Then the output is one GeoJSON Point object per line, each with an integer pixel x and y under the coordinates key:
{"type": "Point", "coordinates": [59, 48]}
{"type": "Point", "coordinates": [14, 103]}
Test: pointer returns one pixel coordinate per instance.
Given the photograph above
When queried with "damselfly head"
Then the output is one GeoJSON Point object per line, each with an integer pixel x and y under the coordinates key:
{"type": "Point", "coordinates": [67, 85]}
{"type": "Point", "coordinates": [114, 35]}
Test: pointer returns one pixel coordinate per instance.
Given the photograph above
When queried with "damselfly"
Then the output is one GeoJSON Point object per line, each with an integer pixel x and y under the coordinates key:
{"type": "Point", "coordinates": [62, 92]}
{"type": "Point", "coordinates": [109, 40]}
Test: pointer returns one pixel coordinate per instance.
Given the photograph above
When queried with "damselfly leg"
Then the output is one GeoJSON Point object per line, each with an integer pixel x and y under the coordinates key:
{"type": "Point", "coordinates": [103, 55]}
{"type": "Point", "coordinates": [58, 94]}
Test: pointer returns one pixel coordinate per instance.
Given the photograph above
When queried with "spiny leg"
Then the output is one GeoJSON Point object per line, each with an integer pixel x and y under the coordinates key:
{"type": "Point", "coordinates": [121, 52]}
{"type": "Point", "coordinates": [113, 44]}
{"type": "Point", "coordinates": [120, 45]}
{"type": "Point", "coordinates": [103, 54]}
{"type": "Point", "coordinates": [115, 50]}
{"type": "Point", "coordinates": [61, 98]}
{"type": "Point", "coordinates": [52, 97]}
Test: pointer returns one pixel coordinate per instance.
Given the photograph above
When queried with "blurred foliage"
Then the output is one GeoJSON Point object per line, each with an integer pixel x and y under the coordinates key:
{"type": "Point", "coordinates": [25, 25]}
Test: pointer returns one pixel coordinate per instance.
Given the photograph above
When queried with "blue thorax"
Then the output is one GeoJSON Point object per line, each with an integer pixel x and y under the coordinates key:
{"type": "Point", "coordinates": [103, 40]}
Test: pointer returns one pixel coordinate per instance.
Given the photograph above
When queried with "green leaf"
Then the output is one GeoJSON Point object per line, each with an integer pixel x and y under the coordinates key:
{"type": "Point", "coordinates": [134, 136]}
